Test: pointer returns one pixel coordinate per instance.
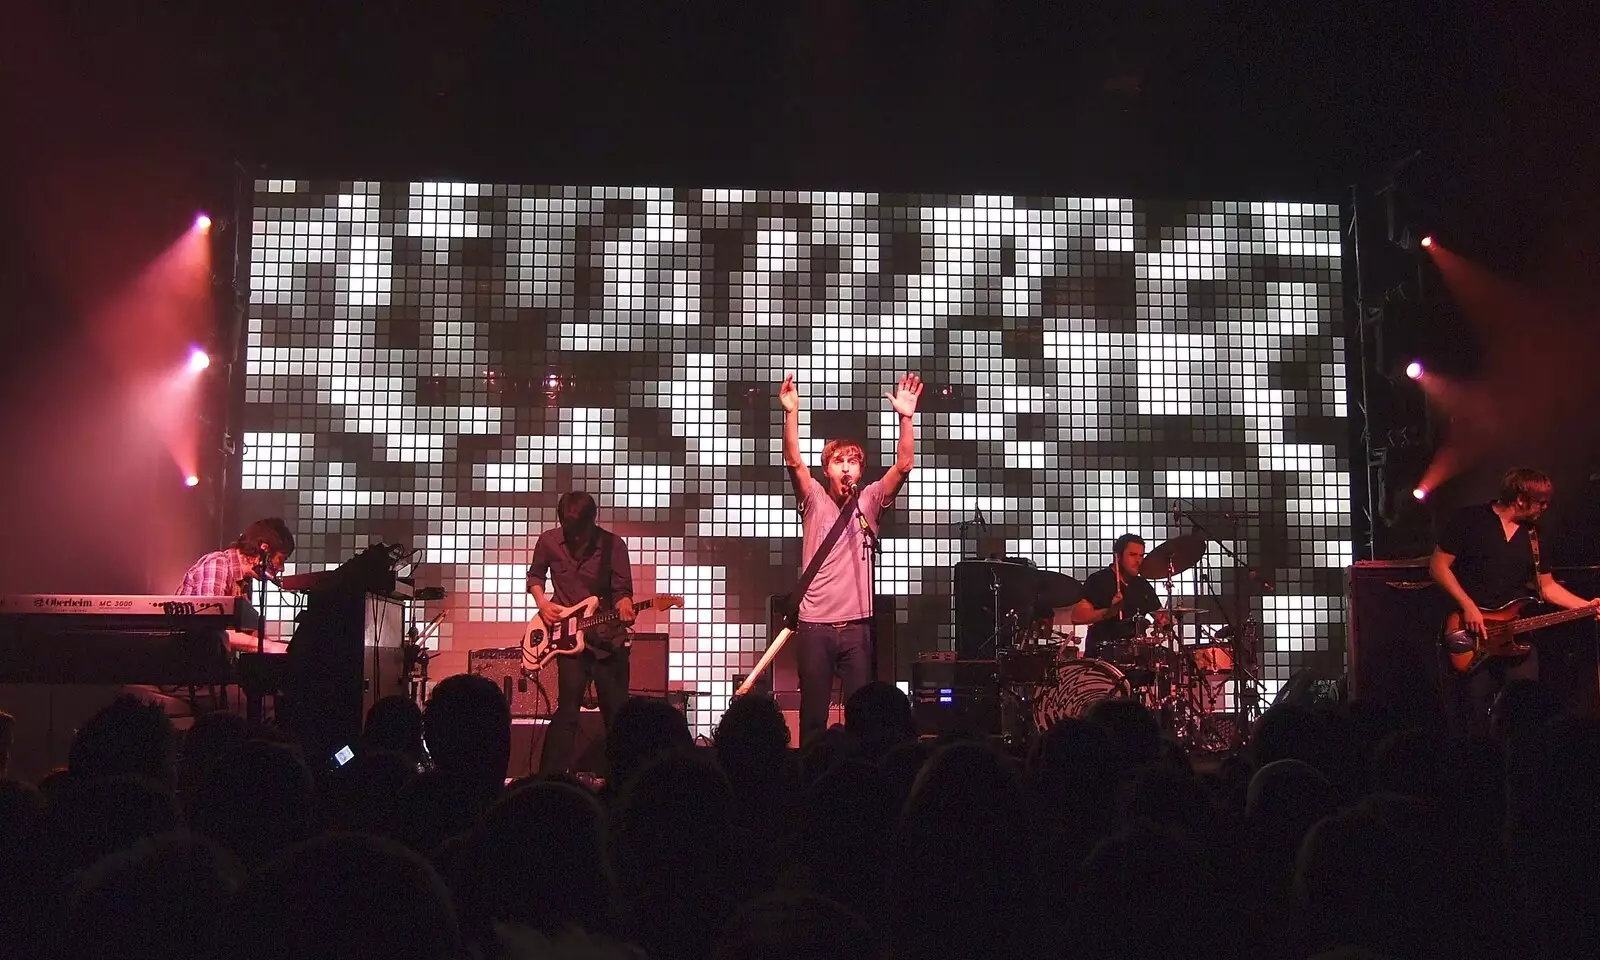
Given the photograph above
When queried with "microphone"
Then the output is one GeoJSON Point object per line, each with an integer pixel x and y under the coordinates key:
{"type": "Point", "coordinates": [263, 571]}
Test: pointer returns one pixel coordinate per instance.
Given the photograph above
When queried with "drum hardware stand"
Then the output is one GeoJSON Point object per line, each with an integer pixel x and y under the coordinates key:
{"type": "Point", "coordinates": [1180, 706]}
{"type": "Point", "coordinates": [993, 643]}
{"type": "Point", "coordinates": [1247, 691]}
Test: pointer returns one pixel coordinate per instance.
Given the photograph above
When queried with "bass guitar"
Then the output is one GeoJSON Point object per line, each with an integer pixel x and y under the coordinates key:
{"type": "Point", "coordinates": [542, 643]}
{"type": "Point", "coordinates": [1502, 628]}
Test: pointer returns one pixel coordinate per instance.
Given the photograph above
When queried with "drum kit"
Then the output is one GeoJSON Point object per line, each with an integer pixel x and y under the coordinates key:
{"type": "Point", "coordinates": [1176, 665]}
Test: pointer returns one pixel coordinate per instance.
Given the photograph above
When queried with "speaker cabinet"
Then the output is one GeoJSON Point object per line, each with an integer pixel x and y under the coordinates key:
{"type": "Point", "coordinates": [1395, 613]}
{"type": "Point", "coordinates": [981, 585]}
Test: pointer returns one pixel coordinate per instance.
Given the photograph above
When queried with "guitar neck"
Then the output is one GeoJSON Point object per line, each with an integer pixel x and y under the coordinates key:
{"type": "Point", "coordinates": [610, 616]}
{"type": "Point", "coordinates": [1550, 619]}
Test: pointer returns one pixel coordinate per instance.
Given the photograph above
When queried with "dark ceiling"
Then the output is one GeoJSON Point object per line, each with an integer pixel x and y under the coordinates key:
{"type": "Point", "coordinates": [130, 116]}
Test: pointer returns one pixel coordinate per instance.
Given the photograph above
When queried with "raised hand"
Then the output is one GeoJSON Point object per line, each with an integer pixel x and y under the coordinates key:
{"type": "Point", "coordinates": [904, 397]}
{"type": "Point", "coordinates": [789, 394]}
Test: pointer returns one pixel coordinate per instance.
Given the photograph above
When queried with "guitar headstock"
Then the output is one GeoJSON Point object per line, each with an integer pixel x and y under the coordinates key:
{"type": "Point", "coordinates": [666, 602]}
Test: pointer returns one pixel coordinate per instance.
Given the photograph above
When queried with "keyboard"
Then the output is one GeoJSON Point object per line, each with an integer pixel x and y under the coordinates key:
{"type": "Point", "coordinates": [113, 612]}
{"type": "Point", "coordinates": [98, 638]}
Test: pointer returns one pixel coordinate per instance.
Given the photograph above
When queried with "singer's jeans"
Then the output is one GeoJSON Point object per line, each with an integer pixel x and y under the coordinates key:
{"type": "Point", "coordinates": [821, 649]}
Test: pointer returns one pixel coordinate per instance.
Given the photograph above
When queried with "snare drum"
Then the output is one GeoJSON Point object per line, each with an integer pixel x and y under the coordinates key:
{"type": "Point", "coordinates": [1078, 684]}
{"type": "Point", "coordinates": [1212, 658]}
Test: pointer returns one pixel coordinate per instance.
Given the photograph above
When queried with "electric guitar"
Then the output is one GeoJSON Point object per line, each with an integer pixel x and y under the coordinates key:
{"type": "Point", "coordinates": [542, 643]}
{"type": "Point", "coordinates": [1502, 627]}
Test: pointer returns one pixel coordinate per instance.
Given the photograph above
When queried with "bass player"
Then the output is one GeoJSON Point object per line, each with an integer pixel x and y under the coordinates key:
{"type": "Point", "coordinates": [581, 560]}
{"type": "Point", "coordinates": [1487, 557]}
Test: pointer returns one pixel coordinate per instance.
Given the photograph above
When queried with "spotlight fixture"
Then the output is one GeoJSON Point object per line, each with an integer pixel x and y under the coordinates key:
{"type": "Point", "coordinates": [202, 222]}
{"type": "Point", "coordinates": [1419, 494]}
{"type": "Point", "coordinates": [191, 481]}
{"type": "Point", "coordinates": [1414, 370]}
{"type": "Point", "coordinates": [198, 360]}
{"type": "Point", "coordinates": [1427, 242]}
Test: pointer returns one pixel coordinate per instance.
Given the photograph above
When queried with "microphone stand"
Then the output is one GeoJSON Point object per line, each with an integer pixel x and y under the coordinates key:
{"type": "Point", "coordinates": [974, 523]}
{"type": "Point", "coordinates": [1249, 708]}
{"type": "Point", "coordinates": [264, 575]}
{"type": "Point", "coordinates": [869, 538]}
{"type": "Point", "coordinates": [870, 545]}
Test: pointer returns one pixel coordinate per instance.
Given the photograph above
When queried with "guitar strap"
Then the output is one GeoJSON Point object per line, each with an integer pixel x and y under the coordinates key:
{"type": "Point", "coordinates": [845, 513]}
{"type": "Point", "coordinates": [1533, 544]}
{"type": "Point", "coordinates": [602, 585]}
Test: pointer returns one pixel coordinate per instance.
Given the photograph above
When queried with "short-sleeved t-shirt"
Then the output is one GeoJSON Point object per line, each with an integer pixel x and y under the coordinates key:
{"type": "Point", "coordinates": [1138, 599]}
{"type": "Point", "coordinates": [842, 589]}
{"type": "Point", "coordinates": [1492, 569]}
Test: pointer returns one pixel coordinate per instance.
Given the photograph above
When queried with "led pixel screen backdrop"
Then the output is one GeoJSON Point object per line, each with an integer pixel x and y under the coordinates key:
{"type": "Point", "coordinates": [435, 363]}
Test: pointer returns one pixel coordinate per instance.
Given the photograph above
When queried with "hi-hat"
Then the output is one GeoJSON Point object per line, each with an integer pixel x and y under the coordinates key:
{"type": "Point", "coordinates": [1173, 557]}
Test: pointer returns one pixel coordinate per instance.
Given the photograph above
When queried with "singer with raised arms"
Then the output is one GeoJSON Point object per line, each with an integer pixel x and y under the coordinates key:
{"type": "Point", "coordinates": [833, 635]}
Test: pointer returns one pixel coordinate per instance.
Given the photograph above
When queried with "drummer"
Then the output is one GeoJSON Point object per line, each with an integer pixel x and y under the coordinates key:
{"type": "Point", "coordinates": [1116, 597]}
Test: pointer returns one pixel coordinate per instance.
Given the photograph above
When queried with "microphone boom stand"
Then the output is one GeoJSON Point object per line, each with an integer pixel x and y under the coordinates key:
{"type": "Point", "coordinates": [871, 545]}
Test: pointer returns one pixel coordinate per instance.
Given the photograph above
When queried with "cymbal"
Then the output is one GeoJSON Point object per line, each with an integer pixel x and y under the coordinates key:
{"type": "Point", "coordinates": [1173, 557]}
{"type": "Point", "coordinates": [1182, 610]}
{"type": "Point", "coordinates": [1057, 590]}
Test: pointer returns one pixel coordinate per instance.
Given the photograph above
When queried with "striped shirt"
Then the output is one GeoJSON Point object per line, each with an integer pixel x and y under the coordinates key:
{"type": "Point", "coordinates": [218, 574]}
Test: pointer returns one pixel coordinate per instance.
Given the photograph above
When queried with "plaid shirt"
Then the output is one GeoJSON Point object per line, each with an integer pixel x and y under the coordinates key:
{"type": "Point", "coordinates": [218, 574]}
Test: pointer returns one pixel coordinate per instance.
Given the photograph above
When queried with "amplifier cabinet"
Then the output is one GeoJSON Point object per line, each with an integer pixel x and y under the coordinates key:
{"type": "Point", "coordinates": [943, 674]}
{"type": "Point", "coordinates": [959, 712]}
{"type": "Point", "coordinates": [533, 696]}
{"type": "Point", "coordinates": [959, 697]}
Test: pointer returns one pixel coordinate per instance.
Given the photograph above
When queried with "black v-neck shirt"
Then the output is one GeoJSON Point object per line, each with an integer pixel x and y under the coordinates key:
{"type": "Point", "coordinates": [1492, 569]}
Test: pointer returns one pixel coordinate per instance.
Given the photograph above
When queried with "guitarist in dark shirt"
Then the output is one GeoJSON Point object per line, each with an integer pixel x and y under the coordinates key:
{"type": "Point", "coordinates": [1486, 558]}
{"type": "Point", "coordinates": [583, 560]}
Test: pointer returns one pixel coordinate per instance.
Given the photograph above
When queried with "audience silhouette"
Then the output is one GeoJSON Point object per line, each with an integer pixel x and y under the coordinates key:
{"type": "Point", "coordinates": [1338, 833]}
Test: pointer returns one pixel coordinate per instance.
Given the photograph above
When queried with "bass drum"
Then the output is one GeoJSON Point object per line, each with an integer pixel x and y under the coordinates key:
{"type": "Point", "coordinates": [1077, 684]}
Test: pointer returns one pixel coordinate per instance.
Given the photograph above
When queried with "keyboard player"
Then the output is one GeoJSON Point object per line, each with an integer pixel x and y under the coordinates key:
{"type": "Point", "coordinates": [258, 554]}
